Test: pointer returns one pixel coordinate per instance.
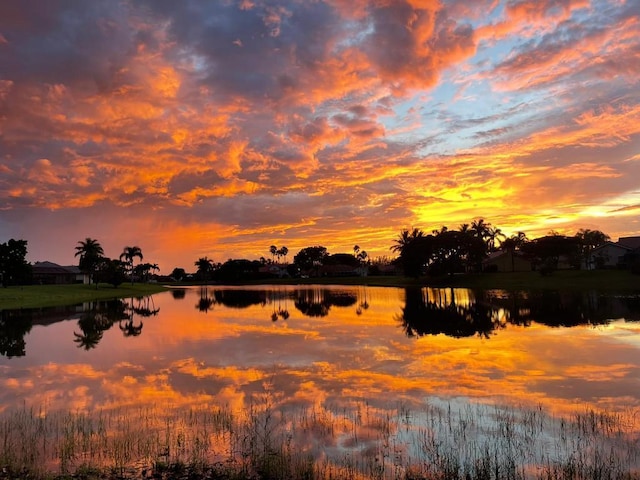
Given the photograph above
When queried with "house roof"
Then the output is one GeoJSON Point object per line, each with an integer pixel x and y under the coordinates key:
{"type": "Point", "coordinates": [629, 242]}
{"type": "Point", "coordinates": [499, 253]}
{"type": "Point", "coordinates": [612, 244]}
{"type": "Point", "coordinates": [50, 268]}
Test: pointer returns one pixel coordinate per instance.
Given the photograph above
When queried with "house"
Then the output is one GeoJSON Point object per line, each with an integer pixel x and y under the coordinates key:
{"type": "Point", "coordinates": [631, 242]}
{"type": "Point", "coordinates": [608, 255]}
{"type": "Point", "coordinates": [506, 261]}
{"type": "Point", "coordinates": [339, 270]}
{"type": "Point", "coordinates": [49, 273]}
{"type": "Point", "coordinates": [274, 269]}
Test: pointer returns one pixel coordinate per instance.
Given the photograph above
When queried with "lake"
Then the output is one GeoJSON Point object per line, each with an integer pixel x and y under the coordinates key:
{"type": "Point", "coordinates": [350, 381]}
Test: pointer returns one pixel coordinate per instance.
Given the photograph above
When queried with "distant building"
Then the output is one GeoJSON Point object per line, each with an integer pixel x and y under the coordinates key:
{"type": "Point", "coordinates": [608, 255]}
{"type": "Point", "coordinates": [49, 273]}
{"type": "Point", "coordinates": [506, 261]}
{"type": "Point", "coordinates": [631, 242]}
{"type": "Point", "coordinates": [339, 270]}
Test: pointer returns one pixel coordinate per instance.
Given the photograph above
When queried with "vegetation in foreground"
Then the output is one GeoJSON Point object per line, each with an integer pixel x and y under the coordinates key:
{"type": "Point", "coordinates": [440, 440]}
{"type": "Point", "coordinates": [37, 296]}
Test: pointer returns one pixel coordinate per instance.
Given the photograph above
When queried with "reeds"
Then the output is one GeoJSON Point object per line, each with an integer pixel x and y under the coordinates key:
{"type": "Point", "coordinates": [442, 439]}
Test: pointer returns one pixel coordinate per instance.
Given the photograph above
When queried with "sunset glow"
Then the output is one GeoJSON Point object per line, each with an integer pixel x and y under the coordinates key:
{"type": "Point", "coordinates": [218, 129]}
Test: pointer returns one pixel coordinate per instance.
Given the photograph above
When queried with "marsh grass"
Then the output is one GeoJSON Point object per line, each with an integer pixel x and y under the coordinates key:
{"type": "Point", "coordinates": [269, 440]}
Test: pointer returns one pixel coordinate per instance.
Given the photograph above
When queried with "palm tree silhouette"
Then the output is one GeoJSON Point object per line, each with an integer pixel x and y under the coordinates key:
{"type": "Point", "coordinates": [129, 254]}
{"type": "Point", "coordinates": [513, 243]}
{"type": "Point", "coordinates": [283, 251]}
{"type": "Point", "coordinates": [405, 239]}
{"type": "Point", "coordinates": [90, 252]}
{"type": "Point", "coordinates": [205, 266]}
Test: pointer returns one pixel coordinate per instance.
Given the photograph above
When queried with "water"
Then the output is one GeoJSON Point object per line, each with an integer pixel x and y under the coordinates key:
{"type": "Point", "coordinates": [348, 352]}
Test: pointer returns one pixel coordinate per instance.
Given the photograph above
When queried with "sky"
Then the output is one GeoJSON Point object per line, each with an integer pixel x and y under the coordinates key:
{"type": "Point", "coordinates": [219, 128]}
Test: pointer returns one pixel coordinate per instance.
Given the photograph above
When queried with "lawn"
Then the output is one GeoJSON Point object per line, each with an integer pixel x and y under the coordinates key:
{"type": "Point", "coordinates": [35, 296]}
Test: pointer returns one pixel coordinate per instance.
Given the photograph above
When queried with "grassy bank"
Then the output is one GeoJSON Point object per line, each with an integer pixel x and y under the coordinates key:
{"type": "Point", "coordinates": [602, 280]}
{"type": "Point", "coordinates": [36, 296]}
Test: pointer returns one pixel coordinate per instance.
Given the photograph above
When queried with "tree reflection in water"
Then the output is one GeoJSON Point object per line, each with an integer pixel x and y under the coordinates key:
{"type": "Point", "coordinates": [179, 293]}
{"type": "Point", "coordinates": [430, 312]}
{"type": "Point", "coordinates": [205, 303]}
{"type": "Point", "coordinates": [318, 302]}
{"type": "Point", "coordinates": [364, 304]}
{"type": "Point", "coordinates": [462, 313]}
{"type": "Point", "coordinates": [97, 319]}
{"type": "Point", "coordinates": [277, 298]}
{"type": "Point", "coordinates": [101, 316]}
{"type": "Point", "coordinates": [240, 298]}
{"type": "Point", "coordinates": [14, 325]}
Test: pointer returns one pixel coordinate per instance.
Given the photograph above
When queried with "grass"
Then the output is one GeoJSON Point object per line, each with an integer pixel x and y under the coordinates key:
{"type": "Point", "coordinates": [445, 440]}
{"type": "Point", "coordinates": [36, 296]}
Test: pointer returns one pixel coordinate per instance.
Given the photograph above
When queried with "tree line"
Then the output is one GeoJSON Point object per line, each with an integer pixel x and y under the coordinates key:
{"type": "Point", "coordinates": [100, 268]}
{"type": "Point", "coordinates": [445, 251]}
{"type": "Point", "coordinates": [463, 250]}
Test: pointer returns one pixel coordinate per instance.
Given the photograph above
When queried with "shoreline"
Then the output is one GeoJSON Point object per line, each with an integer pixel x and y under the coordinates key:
{"type": "Point", "coordinates": [611, 281]}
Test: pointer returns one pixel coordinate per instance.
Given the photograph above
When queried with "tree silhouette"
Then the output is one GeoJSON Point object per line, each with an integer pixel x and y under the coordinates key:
{"type": "Point", "coordinates": [91, 254]}
{"type": "Point", "coordinates": [415, 249]}
{"type": "Point", "coordinates": [512, 244]}
{"type": "Point", "coordinates": [129, 254]}
{"type": "Point", "coordinates": [589, 240]}
{"type": "Point", "coordinates": [310, 257]}
{"type": "Point", "coordinates": [178, 274]}
{"type": "Point", "coordinates": [205, 267]}
{"type": "Point", "coordinates": [274, 251]}
{"type": "Point", "coordinates": [282, 252]}
{"type": "Point", "coordinates": [143, 270]}
{"type": "Point", "coordinates": [14, 268]}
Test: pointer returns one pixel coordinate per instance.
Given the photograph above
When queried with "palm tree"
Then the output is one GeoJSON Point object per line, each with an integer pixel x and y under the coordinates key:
{"type": "Point", "coordinates": [282, 252]}
{"type": "Point", "coordinates": [205, 267]}
{"type": "Point", "coordinates": [129, 254]}
{"type": "Point", "coordinates": [274, 251]}
{"type": "Point", "coordinates": [414, 248]}
{"type": "Point", "coordinates": [405, 239]}
{"type": "Point", "coordinates": [493, 233]}
{"type": "Point", "coordinates": [512, 244]}
{"type": "Point", "coordinates": [590, 239]}
{"type": "Point", "coordinates": [90, 252]}
{"type": "Point", "coordinates": [479, 228]}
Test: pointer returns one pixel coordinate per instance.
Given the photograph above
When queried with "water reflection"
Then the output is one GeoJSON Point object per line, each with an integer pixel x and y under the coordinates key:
{"type": "Point", "coordinates": [462, 313]}
{"type": "Point", "coordinates": [93, 320]}
{"type": "Point", "coordinates": [318, 302]}
{"type": "Point", "coordinates": [453, 312]}
{"type": "Point", "coordinates": [355, 350]}
{"type": "Point", "coordinates": [14, 325]}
